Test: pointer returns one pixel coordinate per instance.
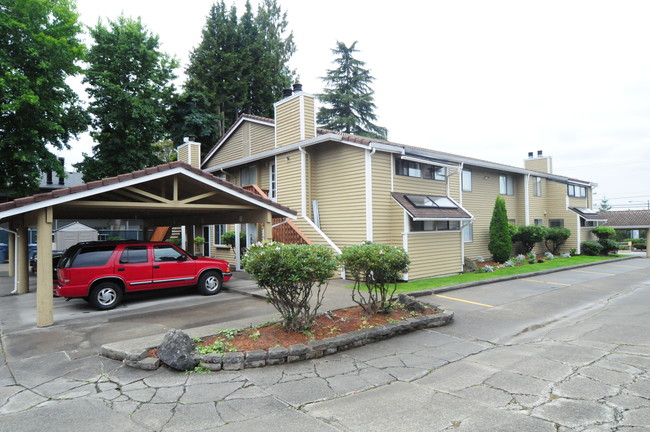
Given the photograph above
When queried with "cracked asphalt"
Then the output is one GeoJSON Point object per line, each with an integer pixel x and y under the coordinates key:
{"type": "Point", "coordinates": [567, 351]}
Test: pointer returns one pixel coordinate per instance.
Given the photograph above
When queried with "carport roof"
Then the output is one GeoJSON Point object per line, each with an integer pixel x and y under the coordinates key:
{"type": "Point", "coordinates": [155, 192]}
{"type": "Point", "coordinates": [627, 218]}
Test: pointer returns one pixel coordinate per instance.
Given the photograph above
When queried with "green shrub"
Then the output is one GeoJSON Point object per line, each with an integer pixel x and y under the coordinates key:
{"type": "Point", "coordinates": [555, 239]}
{"type": "Point", "coordinates": [608, 245]}
{"type": "Point", "coordinates": [379, 267]}
{"type": "Point", "coordinates": [295, 277]}
{"type": "Point", "coordinates": [603, 232]}
{"type": "Point", "coordinates": [529, 235]}
{"type": "Point", "coordinates": [640, 246]}
{"type": "Point", "coordinates": [175, 241]}
{"type": "Point", "coordinates": [228, 238]}
{"type": "Point", "coordinates": [591, 248]}
{"type": "Point", "coordinates": [500, 245]}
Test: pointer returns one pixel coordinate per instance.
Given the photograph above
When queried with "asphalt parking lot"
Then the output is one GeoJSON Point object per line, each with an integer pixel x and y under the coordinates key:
{"type": "Point", "coordinates": [567, 351]}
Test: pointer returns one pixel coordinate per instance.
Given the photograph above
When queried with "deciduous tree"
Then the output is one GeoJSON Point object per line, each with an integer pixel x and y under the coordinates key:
{"type": "Point", "coordinates": [39, 49]}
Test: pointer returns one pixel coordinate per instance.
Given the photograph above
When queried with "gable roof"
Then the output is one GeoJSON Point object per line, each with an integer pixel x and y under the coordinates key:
{"type": "Point", "coordinates": [89, 190]}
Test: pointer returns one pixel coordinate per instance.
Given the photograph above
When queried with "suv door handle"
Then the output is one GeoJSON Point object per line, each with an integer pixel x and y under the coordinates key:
{"type": "Point", "coordinates": [120, 269]}
{"type": "Point", "coordinates": [156, 267]}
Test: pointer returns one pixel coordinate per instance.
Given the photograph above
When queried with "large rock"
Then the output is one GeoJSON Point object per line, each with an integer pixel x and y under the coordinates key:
{"type": "Point", "coordinates": [411, 304]}
{"type": "Point", "coordinates": [469, 266]}
{"type": "Point", "coordinates": [177, 351]}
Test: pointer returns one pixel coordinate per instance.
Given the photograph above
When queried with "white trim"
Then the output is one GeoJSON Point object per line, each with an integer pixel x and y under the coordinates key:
{"type": "Point", "coordinates": [135, 181]}
{"type": "Point", "coordinates": [322, 234]}
{"type": "Point", "coordinates": [428, 162]}
{"type": "Point", "coordinates": [460, 182]}
{"type": "Point", "coordinates": [405, 237]}
{"type": "Point", "coordinates": [302, 116]}
{"type": "Point", "coordinates": [392, 174]}
{"type": "Point", "coordinates": [232, 130]}
{"type": "Point", "coordinates": [368, 186]}
{"type": "Point", "coordinates": [527, 200]}
{"type": "Point", "coordinates": [579, 236]}
{"type": "Point", "coordinates": [303, 182]}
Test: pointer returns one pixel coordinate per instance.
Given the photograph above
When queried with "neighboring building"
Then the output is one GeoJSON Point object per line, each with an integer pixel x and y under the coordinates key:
{"type": "Point", "coordinates": [347, 189]}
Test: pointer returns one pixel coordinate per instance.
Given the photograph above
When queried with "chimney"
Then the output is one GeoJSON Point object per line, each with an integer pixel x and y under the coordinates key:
{"type": "Point", "coordinates": [62, 179]}
{"type": "Point", "coordinates": [286, 93]}
{"type": "Point", "coordinates": [295, 117]}
{"type": "Point", "coordinates": [539, 153]}
{"type": "Point", "coordinates": [48, 176]}
{"type": "Point", "coordinates": [540, 163]}
{"type": "Point", "coordinates": [189, 152]}
{"type": "Point", "coordinates": [530, 155]}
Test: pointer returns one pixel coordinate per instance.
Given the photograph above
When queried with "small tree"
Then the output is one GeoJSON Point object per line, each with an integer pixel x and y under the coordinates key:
{"type": "Point", "coordinates": [289, 273]}
{"type": "Point", "coordinates": [606, 238]}
{"type": "Point", "coordinates": [555, 239]}
{"type": "Point", "coordinates": [378, 267]}
{"type": "Point", "coordinates": [228, 238]}
{"type": "Point", "coordinates": [604, 205]}
{"type": "Point", "coordinates": [500, 245]}
{"type": "Point", "coordinates": [529, 236]}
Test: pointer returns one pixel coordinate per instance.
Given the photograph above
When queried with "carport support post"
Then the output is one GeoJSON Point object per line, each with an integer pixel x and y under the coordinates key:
{"type": "Point", "coordinates": [23, 260]}
{"type": "Point", "coordinates": [44, 300]}
{"type": "Point", "coordinates": [11, 252]}
{"type": "Point", "coordinates": [268, 226]}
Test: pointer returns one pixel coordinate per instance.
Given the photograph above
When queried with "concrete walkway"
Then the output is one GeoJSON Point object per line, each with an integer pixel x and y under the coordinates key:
{"type": "Point", "coordinates": [566, 352]}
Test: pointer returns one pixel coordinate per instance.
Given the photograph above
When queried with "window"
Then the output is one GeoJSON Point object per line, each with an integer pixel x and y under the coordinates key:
{"type": "Point", "coordinates": [576, 191]}
{"type": "Point", "coordinates": [92, 256]}
{"type": "Point", "coordinates": [420, 170]}
{"type": "Point", "coordinates": [422, 201]}
{"type": "Point", "coordinates": [539, 222]}
{"type": "Point", "coordinates": [537, 186]}
{"type": "Point", "coordinates": [467, 180]}
{"type": "Point", "coordinates": [219, 230]}
{"type": "Point", "coordinates": [206, 237]}
{"type": "Point", "coordinates": [248, 175]}
{"type": "Point", "coordinates": [273, 185]}
{"type": "Point", "coordinates": [435, 225]}
{"type": "Point", "coordinates": [506, 184]}
{"type": "Point", "coordinates": [588, 223]}
{"type": "Point", "coordinates": [134, 255]}
{"type": "Point", "coordinates": [468, 233]}
{"type": "Point", "coordinates": [556, 223]}
{"type": "Point", "coordinates": [166, 253]}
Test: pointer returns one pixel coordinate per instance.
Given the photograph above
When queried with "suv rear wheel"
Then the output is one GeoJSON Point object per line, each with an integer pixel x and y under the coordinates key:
{"type": "Point", "coordinates": [210, 283]}
{"type": "Point", "coordinates": [105, 296]}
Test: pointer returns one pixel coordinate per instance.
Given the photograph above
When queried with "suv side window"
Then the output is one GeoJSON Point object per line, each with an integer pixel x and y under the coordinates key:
{"type": "Point", "coordinates": [166, 253]}
{"type": "Point", "coordinates": [92, 256]}
{"type": "Point", "coordinates": [134, 255]}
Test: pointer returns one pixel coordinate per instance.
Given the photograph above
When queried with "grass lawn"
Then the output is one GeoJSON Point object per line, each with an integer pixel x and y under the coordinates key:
{"type": "Point", "coordinates": [438, 282]}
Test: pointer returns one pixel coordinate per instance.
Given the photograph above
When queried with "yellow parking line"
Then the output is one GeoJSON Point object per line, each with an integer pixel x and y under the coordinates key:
{"type": "Point", "coordinates": [544, 282]}
{"type": "Point", "coordinates": [464, 301]}
{"type": "Point", "coordinates": [584, 271]}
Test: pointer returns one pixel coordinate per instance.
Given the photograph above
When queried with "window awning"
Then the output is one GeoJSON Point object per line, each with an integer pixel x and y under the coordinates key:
{"type": "Point", "coordinates": [431, 207]}
{"type": "Point", "coordinates": [588, 214]}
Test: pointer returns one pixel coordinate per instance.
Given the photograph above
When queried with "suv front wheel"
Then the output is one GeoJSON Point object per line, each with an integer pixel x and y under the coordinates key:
{"type": "Point", "coordinates": [105, 296]}
{"type": "Point", "coordinates": [210, 283]}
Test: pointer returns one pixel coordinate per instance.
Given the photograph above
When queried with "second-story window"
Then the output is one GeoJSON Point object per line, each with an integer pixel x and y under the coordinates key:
{"type": "Point", "coordinates": [576, 191]}
{"type": "Point", "coordinates": [248, 175]}
{"type": "Point", "coordinates": [537, 186]}
{"type": "Point", "coordinates": [419, 170]}
{"type": "Point", "coordinates": [467, 180]}
{"type": "Point", "coordinates": [273, 186]}
{"type": "Point", "coordinates": [506, 184]}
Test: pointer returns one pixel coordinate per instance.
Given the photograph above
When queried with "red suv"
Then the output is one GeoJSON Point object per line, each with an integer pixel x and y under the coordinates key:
{"type": "Point", "coordinates": [102, 272]}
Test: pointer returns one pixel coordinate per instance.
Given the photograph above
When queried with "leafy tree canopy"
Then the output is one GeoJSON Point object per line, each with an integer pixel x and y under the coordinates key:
{"type": "Point", "coordinates": [348, 97]}
{"type": "Point", "coordinates": [130, 87]}
{"type": "Point", "coordinates": [39, 50]}
{"type": "Point", "coordinates": [240, 66]}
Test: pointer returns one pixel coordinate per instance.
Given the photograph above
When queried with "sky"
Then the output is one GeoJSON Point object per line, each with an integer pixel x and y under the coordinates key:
{"type": "Point", "coordinates": [492, 79]}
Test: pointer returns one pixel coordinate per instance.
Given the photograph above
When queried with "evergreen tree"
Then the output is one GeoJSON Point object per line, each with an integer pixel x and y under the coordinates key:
{"type": "Point", "coordinates": [605, 205]}
{"type": "Point", "coordinates": [39, 50]}
{"type": "Point", "coordinates": [240, 66]}
{"type": "Point", "coordinates": [130, 86]}
{"type": "Point", "coordinates": [349, 97]}
{"type": "Point", "coordinates": [500, 245]}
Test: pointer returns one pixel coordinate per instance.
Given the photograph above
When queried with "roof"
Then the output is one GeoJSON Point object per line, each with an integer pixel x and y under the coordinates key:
{"type": "Point", "coordinates": [435, 156]}
{"type": "Point", "coordinates": [627, 218]}
{"type": "Point", "coordinates": [58, 196]}
{"type": "Point", "coordinates": [75, 226]}
{"type": "Point", "coordinates": [432, 212]}
{"type": "Point", "coordinates": [588, 214]}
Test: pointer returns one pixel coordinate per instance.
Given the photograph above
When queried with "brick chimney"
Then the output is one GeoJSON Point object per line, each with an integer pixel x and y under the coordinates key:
{"type": "Point", "coordinates": [540, 163]}
{"type": "Point", "coordinates": [295, 117]}
{"type": "Point", "coordinates": [190, 152]}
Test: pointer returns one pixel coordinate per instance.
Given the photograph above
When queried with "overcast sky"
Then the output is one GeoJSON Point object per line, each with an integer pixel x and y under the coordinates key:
{"type": "Point", "coordinates": [487, 79]}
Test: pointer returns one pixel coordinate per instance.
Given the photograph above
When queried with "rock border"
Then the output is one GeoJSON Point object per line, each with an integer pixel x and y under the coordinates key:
{"type": "Point", "coordinates": [234, 361]}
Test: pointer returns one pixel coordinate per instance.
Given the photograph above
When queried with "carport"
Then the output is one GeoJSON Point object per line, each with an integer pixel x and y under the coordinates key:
{"type": "Point", "coordinates": [174, 194]}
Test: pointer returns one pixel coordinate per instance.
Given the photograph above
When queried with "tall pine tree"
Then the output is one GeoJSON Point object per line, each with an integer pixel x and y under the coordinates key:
{"type": "Point", "coordinates": [130, 86]}
{"type": "Point", "coordinates": [348, 97]}
{"type": "Point", "coordinates": [240, 66]}
{"type": "Point", "coordinates": [39, 49]}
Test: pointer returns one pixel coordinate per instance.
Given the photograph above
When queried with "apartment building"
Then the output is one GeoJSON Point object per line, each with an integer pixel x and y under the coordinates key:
{"type": "Point", "coordinates": [347, 189]}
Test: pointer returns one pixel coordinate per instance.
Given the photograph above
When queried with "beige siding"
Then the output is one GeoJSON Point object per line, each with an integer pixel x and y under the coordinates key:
{"type": "Point", "coordinates": [419, 186]}
{"type": "Point", "coordinates": [454, 184]}
{"type": "Point", "coordinates": [309, 116]}
{"type": "Point", "coordinates": [434, 254]}
{"type": "Point", "coordinates": [338, 184]}
{"type": "Point", "coordinates": [288, 171]}
{"type": "Point", "coordinates": [230, 150]}
{"type": "Point", "coordinates": [262, 138]}
{"type": "Point", "coordinates": [385, 228]}
{"type": "Point", "coordinates": [183, 153]}
{"type": "Point", "coordinates": [579, 202]}
{"type": "Point", "coordinates": [537, 204]}
{"type": "Point", "coordinates": [542, 165]}
{"type": "Point", "coordinates": [287, 122]}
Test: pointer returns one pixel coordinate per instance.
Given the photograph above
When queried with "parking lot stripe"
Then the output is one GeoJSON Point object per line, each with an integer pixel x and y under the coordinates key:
{"type": "Point", "coordinates": [544, 282]}
{"type": "Point", "coordinates": [465, 301]}
{"type": "Point", "coordinates": [584, 271]}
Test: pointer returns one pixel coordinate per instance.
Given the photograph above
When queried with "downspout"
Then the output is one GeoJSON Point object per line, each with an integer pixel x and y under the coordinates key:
{"type": "Point", "coordinates": [369, 214]}
{"type": "Point", "coordinates": [527, 201]}
{"type": "Point", "coordinates": [460, 183]}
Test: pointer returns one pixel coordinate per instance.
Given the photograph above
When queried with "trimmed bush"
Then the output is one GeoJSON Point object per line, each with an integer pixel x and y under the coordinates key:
{"type": "Point", "coordinates": [591, 248]}
{"type": "Point", "coordinates": [603, 232]}
{"type": "Point", "coordinates": [500, 245]}
{"type": "Point", "coordinates": [378, 267]}
{"type": "Point", "coordinates": [228, 238]}
{"type": "Point", "coordinates": [295, 277]}
{"type": "Point", "coordinates": [555, 239]}
{"type": "Point", "coordinates": [529, 235]}
{"type": "Point", "coordinates": [609, 245]}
